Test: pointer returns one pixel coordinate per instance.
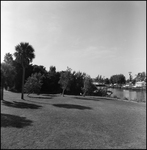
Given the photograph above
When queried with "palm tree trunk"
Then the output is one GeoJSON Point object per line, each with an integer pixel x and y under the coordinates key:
{"type": "Point", "coordinates": [23, 77]}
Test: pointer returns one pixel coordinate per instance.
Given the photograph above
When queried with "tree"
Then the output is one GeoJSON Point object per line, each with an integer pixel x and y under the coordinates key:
{"type": "Point", "coordinates": [7, 76]}
{"type": "Point", "coordinates": [40, 68]}
{"type": "Point", "coordinates": [8, 73]}
{"type": "Point", "coordinates": [2, 84]}
{"type": "Point", "coordinates": [52, 80]}
{"type": "Point", "coordinates": [24, 55]}
{"type": "Point", "coordinates": [10, 63]}
{"type": "Point", "coordinates": [107, 81]}
{"type": "Point", "coordinates": [76, 83]}
{"type": "Point", "coordinates": [65, 80]}
{"type": "Point", "coordinates": [99, 79]}
{"type": "Point", "coordinates": [8, 58]}
{"type": "Point", "coordinates": [119, 79]}
{"type": "Point", "coordinates": [52, 69]}
{"type": "Point", "coordinates": [140, 76]}
{"type": "Point", "coordinates": [33, 83]}
{"type": "Point", "coordinates": [88, 86]}
{"type": "Point", "coordinates": [79, 79]}
{"type": "Point", "coordinates": [18, 77]}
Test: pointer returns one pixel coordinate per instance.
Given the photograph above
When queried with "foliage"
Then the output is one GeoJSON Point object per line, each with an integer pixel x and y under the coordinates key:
{"type": "Point", "coordinates": [76, 83]}
{"type": "Point", "coordinates": [33, 83]}
{"type": "Point", "coordinates": [18, 76]}
{"type": "Point", "coordinates": [37, 69]}
{"type": "Point", "coordinates": [65, 80]}
{"type": "Point", "coordinates": [1, 85]}
{"type": "Point", "coordinates": [52, 69]}
{"type": "Point", "coordinates": [18, 71]}
{"type": "Point", "coordinates": [107, 81]}
{"type": "Point", "coordinates": [51, 84]}
{"type": "Point", "coordinates": [133, 81]}
{"type": "Point", "coordinates": [31, 69]}
{"type": "Point", "coordinates": [8, 59]}
{"type": "Point", "coordinates": [24, 55]}
{"type": "Point", "coordinates": [119, 79]}
{"type": "Point", "coordinates": [99, 79]}
{"type": "Point", "coordinates": [100, 92]}
{"type": "Point", "coordinates": [8, 73]}
{"type": "Point", "coordinates": [88, 86]}
{"type": "Point", "coordinates": [140, 77]}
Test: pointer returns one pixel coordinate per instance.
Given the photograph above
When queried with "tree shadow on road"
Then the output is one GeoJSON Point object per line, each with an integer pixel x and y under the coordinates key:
{"type": "Point", "coordinates": [71, 106]}
{"type": "Point", "coordinates": [20, 105]}
{"type": "Point", "coordinates": [8, 120]}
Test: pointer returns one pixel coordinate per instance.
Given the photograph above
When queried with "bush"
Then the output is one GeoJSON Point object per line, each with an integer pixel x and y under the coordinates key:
{"type": "Point", "coordinates": [125, 98]}
{"type": "Point", "coordinates": [115, 97]}
{"type": "Point", "coordinates": [100, 92]}
{"type": "Point", "coordinates": [33, 84]}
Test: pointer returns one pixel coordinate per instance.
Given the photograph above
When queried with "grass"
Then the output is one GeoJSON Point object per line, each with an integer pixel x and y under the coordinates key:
{"type": "Point", "coordinates": [72, 122]}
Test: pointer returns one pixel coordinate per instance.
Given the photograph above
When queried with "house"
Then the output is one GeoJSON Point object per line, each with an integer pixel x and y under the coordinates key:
{"type": "Point", "coordinates": [95, 83]}
{"type": "Point", "coordinates": [140, 84]}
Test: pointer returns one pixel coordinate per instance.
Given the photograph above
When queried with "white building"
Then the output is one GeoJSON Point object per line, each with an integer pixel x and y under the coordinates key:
{"type": "Point", "coordinates": [140, 84]}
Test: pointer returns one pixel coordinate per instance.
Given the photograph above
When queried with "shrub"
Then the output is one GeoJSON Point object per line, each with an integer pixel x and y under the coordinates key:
{"type": "Point", "coordinates": [33, 83]}
{"type": "Point", "coordinates": [125, 98]}
{"type": "Point", "coordinates": [115, 96]}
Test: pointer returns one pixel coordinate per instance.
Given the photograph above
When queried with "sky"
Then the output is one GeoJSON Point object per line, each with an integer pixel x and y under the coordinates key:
{"type": "Point", "coordinates": [96, 37]}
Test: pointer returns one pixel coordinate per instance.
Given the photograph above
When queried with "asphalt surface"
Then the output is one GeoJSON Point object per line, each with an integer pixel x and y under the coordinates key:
{"type": "Point", "coordinates": [71, 122]}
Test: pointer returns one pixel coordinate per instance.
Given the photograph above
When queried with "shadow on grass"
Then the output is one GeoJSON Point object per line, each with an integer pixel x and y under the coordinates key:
{"type": "Point", "coordinates": [51, 95]}
{"type": "Point", "coordinates": [20, 105]}
{"type": "Point", "coordinates": [40, 97]}
{"type": "Point", "coordinates": [95, 98]}
{"type": "Point", "coordinates": [72, 106]}
{"type": "Point", "coordinates": [87, 98]}
{"type": "Point", "coordinates": [8, 120]}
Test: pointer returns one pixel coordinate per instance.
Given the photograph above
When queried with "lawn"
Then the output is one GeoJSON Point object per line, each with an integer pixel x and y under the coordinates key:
{"type": "Point", "coordinates": [72, 122]}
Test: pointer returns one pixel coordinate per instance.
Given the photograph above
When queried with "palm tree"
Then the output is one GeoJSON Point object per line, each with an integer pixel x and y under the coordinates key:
{"type": "Point", "coordinates": [24, 55]}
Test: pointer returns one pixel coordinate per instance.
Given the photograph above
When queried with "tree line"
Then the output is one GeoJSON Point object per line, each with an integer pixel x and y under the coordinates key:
{"type": "Point", "coordinates": [19, 75]}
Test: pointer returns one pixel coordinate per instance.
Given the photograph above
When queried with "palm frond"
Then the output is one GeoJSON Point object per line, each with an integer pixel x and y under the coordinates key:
{"type": "Point", "coordinates": [24, 53]}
